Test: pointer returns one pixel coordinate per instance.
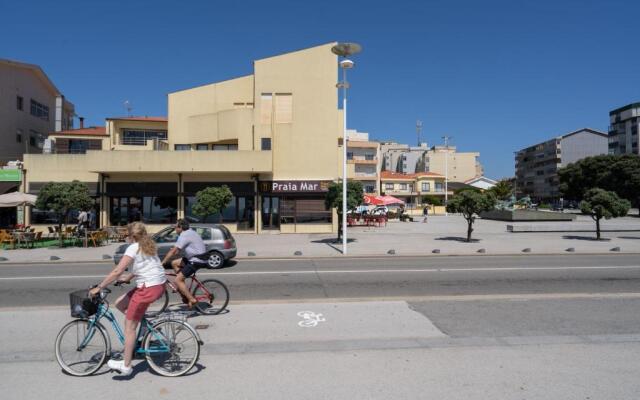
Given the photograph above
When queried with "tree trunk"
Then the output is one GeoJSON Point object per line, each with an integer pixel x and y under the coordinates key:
{"type": "Point", "coordinates": [469, 229]}
{"type": "Point", "coordinates": [60, 234]}
{"type": "Point", "coordinates": [598, 228]}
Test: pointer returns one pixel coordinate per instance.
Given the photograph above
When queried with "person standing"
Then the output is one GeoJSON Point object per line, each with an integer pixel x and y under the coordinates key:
{"type": "Point", "coordinates": [425, 213]}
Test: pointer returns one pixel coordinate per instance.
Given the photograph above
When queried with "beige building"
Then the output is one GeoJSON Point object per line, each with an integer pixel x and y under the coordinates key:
{"type": "Point", "coordinates": [31, 106]}
{"type": "Point", "coordinates": [461, 167]}
{"type": "Point", "coordinates": [411, 188]}
{"type": "Point", "coordinates": [272, 137]}
{"type": "Point", "coordinates": [363, 161]}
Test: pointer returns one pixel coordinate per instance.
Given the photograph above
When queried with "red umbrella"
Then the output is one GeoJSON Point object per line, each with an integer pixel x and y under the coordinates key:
{"type": "Point", "coordinates": [387, 200]}
{"type": "Point", "coordinates": [370, 199]}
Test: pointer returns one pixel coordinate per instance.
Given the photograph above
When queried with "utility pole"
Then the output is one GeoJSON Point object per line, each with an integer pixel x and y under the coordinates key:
{"type": "Point", "coordinates": [446, 170]}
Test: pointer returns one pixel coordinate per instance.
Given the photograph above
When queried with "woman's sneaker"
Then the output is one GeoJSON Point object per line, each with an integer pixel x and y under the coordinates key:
{"type": "Point", "coordinates": [118, 366]}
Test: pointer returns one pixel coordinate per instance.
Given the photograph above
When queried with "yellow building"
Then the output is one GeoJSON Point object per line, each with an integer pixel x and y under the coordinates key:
{"type": "Point", "coordinates": [411, 188]}
{"type": "Point", "coordinates": [363, 161]}
{"type": "Point", "coordinates": [272, 137]}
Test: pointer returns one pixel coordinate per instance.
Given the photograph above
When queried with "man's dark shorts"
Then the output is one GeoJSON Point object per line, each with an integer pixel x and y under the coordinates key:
{"type": "Point", "coordinates": [189, 268]}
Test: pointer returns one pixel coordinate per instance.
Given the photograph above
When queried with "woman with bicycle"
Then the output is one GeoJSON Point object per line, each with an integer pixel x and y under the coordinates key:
{"type": "Point", "coordinates": [142, 257]}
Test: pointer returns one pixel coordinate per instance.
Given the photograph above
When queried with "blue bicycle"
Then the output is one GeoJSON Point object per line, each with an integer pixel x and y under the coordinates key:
{"type": "Point", "coordinates": [169, 344]}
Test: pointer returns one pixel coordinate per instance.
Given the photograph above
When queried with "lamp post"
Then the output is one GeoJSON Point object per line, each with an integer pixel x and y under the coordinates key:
{"type": "Point", "coordinates": [446, 171]}
{"type": "Point", "coordinates": [345, 50]}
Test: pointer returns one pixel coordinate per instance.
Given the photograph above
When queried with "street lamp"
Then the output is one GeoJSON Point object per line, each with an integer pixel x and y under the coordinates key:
{"type": "Point", "coordinates": [446, 171]}
{"type": "Point", "coordinates": [345, 50]}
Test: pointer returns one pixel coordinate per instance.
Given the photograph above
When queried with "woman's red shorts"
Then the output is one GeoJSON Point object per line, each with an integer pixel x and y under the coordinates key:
{"type": "Point", "coordinates": [140, 299]}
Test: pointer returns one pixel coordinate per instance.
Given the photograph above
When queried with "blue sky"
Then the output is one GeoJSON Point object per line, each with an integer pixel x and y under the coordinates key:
{"type": "Point", "coordinates": [496, 75]}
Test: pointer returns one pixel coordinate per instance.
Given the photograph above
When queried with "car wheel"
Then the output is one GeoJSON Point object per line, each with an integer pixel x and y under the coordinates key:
{"type": "Point", "coordinates": [215, 260]}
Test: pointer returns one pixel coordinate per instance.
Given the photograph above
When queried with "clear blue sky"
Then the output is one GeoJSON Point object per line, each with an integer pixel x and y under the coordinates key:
{"type": "Point", "coordinates": [495, 75]}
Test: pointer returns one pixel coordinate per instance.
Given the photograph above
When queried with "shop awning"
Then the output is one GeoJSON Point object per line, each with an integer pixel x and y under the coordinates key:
{"type": "Point", "coordinates": [15, 199]}
{"type": "Point", "coordinates": [381, 200]}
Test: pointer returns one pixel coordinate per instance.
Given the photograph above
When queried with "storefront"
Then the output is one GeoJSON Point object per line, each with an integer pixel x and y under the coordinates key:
{"type": "Point", "coordinates": [239, 213]}
{"type": "Point", "coordinates": [294, 206]}
{"type": "Point", "coordinates": [10, 180]}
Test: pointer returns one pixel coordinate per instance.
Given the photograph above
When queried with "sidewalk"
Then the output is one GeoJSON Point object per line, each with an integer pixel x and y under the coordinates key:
{"type": "Point", "coordinates": [440, 236]}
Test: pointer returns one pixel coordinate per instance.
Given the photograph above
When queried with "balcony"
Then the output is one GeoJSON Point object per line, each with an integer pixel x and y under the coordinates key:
{"type": "Point", "coordinates": [362, 160]}
{"type": "Point", "coordinates": [355, 144]}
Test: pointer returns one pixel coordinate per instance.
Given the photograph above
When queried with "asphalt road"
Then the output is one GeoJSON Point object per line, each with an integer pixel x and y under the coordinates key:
{"type": "Point", "coordinates": [534, 327]}
{"type": "Point", "coordinates": [403, 278]}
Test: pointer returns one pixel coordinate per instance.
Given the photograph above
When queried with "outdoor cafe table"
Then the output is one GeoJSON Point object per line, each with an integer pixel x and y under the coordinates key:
{"type": "Point", "coordinates": [23, 237]}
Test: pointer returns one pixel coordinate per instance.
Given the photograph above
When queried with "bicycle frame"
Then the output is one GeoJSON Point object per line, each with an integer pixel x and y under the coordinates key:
{"type": "Point", "coordinates": [193, 282]}
{"type": "Point", "coordinates": [104, 312]}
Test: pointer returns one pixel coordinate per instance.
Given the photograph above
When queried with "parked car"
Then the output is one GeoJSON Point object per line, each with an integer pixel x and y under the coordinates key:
{"type": "Point", "coordinates": [220, 243]}
{"type": "Point", "coordinates": [380, 210]}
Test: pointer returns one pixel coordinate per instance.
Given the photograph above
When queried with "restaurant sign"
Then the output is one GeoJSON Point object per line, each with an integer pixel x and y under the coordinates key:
{"type": "Point", "coordinates": [294, 186]}
{"type": "Point", "coordinates": [10, 175]}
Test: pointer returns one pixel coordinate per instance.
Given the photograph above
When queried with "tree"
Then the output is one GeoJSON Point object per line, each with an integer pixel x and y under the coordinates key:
{"type": "Point", "coordinates": [503, 189]}
{"type": "Point", "coordinates": [431, 199]}
{"type": "Point", "coordinates": [599, 203]}
{"type": "Point", "coordinates": [620, 174]}
{"type": "Point", "coordinates": [471, 203]}
{"type": "Point", "coordinates": [334, 199]}
{"type": "Point", "coordinates": [211, 201]}
{"type": "Point", "coordinates": [62, 198]}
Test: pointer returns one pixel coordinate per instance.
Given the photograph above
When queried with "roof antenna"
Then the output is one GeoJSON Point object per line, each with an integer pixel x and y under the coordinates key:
{"type": "Point", "coordinates": [129, 107]}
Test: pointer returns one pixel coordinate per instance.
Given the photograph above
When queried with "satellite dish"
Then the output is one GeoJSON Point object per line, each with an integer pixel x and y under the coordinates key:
{"type": "Point", "coordinates": [346, 49]}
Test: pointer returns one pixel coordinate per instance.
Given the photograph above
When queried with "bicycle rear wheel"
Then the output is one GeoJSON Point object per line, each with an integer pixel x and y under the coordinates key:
{"type": "Point", "coordinates": [81, 349]}
{"type": "Point", "coordinates": [172, 348]}
{"type": "Point", "coordinates": [212, 296]}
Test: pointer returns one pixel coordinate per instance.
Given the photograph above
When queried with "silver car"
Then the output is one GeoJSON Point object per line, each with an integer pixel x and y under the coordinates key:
{"type": "Point", "coordinates": [221, 245]}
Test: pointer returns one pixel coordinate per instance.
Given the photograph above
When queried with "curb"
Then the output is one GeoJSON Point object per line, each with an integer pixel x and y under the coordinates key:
{"type": "Point", "coordinates": [359, 256]}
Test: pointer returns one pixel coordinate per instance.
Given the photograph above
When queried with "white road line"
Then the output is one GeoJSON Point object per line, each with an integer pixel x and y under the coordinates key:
{"type": "Point", "coordinates": [356, 271]}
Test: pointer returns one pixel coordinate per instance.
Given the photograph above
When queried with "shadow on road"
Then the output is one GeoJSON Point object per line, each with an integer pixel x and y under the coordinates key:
{"type": "Point", "coordinates": [458, 239]}
{"type": "Point", "coordinates": [588, 238]}
{"type": "Point", "coordinates": [629, 237]}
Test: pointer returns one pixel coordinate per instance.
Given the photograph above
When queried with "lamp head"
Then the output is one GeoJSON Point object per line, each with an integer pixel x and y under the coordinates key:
{"type": "Point", "coordinates": [346, 64]}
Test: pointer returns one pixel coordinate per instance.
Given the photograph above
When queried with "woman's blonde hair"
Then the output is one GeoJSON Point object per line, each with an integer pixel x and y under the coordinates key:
{"type": "Point", "coordinates": [138, 232]}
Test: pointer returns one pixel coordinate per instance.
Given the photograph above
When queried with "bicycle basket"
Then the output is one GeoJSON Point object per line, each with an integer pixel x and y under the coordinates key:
{"type": "Point", "coordinates": [81, 305]}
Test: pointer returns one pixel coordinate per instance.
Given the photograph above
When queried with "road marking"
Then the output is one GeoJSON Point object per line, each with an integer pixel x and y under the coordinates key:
{"type": "Point", "coordinates": [357, 271]}
{"type": "Point", "coordinates": [310, 319]}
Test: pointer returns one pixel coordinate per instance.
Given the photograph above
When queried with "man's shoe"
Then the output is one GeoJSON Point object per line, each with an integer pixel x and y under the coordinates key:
{"type": "Point", "coordinates": [118, 366]}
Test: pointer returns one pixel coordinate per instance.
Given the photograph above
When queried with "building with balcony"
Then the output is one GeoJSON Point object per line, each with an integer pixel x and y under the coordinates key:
{"type": "Point", "coordinates": [31, 106]}
{"type": "Point", "coordinates": [272, 137]}
{"type": "Point", "coordinates": [537, 166]}
{"type": "Point", "coordinates": [411, 188]}
{"type": "Point", "coordinates": [623, 129]}
{"type": "Point", "coordinates": [363, 161]}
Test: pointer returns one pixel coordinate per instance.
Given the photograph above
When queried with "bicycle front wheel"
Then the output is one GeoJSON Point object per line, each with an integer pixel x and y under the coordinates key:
{"type": "Point", "coordinates": [212, 296]}
{"type": "Point", "coordinates": [81, 349]}
{"type": "Point", "coordinates": [172, 348]}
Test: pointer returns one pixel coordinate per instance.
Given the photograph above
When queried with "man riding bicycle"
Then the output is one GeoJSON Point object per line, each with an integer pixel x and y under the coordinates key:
{"type": "Point", "coordinates": [193, 246]}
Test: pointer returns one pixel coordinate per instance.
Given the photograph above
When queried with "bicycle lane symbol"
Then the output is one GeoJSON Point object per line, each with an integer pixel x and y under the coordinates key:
{"type": "Point", "coordinates": [310, 319]}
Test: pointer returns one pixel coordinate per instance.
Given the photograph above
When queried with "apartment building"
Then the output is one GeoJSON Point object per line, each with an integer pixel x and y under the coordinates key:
{"type": "Point", "coordinates": [406, 159]}
{"type": "Point", "coordinates": [537, 166]}
{"type": "Point", "coordinates": [272, 137]}
{"type": "Point", "coordinates": [31, 106]}
{"type": "Point", "coordinates": [623, 129]}
{"type": "Point", "coordinates": [363, 161]}
{"type": "Point", "coordinates": [411, 187]}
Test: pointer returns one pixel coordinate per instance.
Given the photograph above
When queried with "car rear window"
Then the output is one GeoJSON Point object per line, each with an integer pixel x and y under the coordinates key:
{"type": "Point", "coordinates": [227, 233]}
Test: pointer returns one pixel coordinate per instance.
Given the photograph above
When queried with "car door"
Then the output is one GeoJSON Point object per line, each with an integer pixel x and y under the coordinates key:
{"type": "Point", "coordinates": [165, 240]}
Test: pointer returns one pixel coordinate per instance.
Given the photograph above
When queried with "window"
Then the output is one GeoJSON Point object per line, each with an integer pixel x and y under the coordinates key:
{"type": "Point", "coordinates": [284, 108]}
{"type": "Point", "coordinates": [403, 186]}
{"type": "Point", "coordinates": [202, 147]}
{"type": "Point", "coordinates": [240, 209]}
{"type": "Point", "coordinates": [148, 209]}
{"type": "Point", "coordinates": [304, 211]}
{"type": "Point", "coordinates": [426, 187]}
{"type": "Point", "coordinates": [349, 155]}
{"type": "Point", "coordinates": [139, 137]}
{"type": "Point", "coordinates": [39, 110]}
{"type": "Point", "coordinates": [388, 186]}
{"type": "Point", "coordinates": [77, 146]}
{"type": "Point", "coordinates": [19, 136]}
{"type": "Point", "coordinates": [265, 144]}
{"type": "Point", "coordinates": [32, 141]}
{"type": "Point", "coordinates": [439, 187]}
{"type": "Point", "coordinates": [266, 108]}
{"type": "Point", "coordinates": [19, 103]}
{"type": "Point", "coordinates": [224, 147]}
{"type": "Point", "coordinates": [368, 157]}
{"type": "Point", "coordinates": [369, 188]}
{"type": "Point", "coordinates": [182, 147]}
